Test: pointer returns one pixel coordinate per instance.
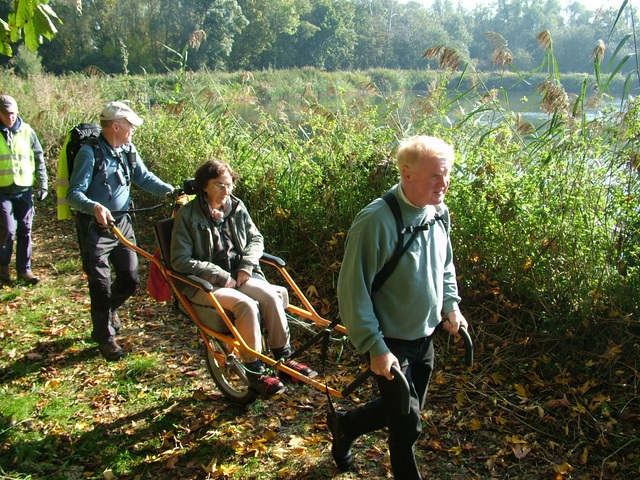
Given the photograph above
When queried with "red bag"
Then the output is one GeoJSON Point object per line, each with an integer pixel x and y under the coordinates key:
{"type": "Point", "coordinates": [157, 284]}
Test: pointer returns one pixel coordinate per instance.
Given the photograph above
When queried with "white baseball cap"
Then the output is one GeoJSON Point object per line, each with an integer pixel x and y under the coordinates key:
{"type": "Point", "coordinates": [8, 104]}
{"type": "Point", "coordinates": [118, 110]}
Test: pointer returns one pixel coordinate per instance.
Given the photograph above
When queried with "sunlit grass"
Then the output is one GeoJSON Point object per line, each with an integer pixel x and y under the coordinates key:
{"type": "Point", "coordinates": [68, 266]}
{"type": "Point", "coordinates": [532, 228]}
{"type": "Point", "coordinates": [16, 408]}
{"type": "Point", "coordinates": [140, 366]}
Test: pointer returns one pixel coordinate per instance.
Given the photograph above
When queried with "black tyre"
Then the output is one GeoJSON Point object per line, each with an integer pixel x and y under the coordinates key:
{"type": "Point", "coordinates": [227, 372]}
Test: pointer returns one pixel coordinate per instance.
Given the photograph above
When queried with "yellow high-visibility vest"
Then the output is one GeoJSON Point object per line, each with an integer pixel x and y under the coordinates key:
{"type": "Point", "coordinates": [17, 164]}
{"type": "Point", "coordinates": [62, 185]}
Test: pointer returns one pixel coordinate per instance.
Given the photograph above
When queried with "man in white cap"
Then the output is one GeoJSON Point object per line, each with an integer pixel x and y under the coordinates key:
{"type": "Point", "coordinates": [21, 160]}
{"type": "Point", "coordinates": [100, 195]}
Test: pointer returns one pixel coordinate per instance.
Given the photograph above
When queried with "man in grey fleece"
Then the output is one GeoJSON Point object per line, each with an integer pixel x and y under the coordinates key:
{"type": "Point", "coordinates": [394, 324]}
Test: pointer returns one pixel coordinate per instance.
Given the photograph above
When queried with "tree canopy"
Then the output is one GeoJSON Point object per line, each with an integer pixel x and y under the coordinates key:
{"type": "Point", "coordinates": [129, 36]}
{"type": "Point", "coordinates": [27, 21]}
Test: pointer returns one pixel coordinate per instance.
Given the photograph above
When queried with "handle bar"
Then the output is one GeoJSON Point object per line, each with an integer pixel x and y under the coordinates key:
{"type": "Point", "coordinates": [468, 346]}
{"type": "Point", "coordinates": [397, 377]}
{"type": "Point", "coordinates": [400, 378]}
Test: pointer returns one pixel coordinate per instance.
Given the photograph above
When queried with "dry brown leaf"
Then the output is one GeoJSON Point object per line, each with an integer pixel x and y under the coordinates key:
{"type": "Point", "coordinates": [498, 378]}
{"type": "Point", "coordinates": [171, 463]}
{"type": "Point", "coordinates": [520, 452]}
{"type": "Point", "coordinates": [562, 468]}
{"type": "Point", "coordinates": [475, 424]}
{"type": "Point", "coordinates": [521, 390]}
{"type": "Point", "coordinates": [561, 402]}
{"type": "Point", "coordinates": [613, 352]}
{"type": "Point", "coordinates": [108, 475]}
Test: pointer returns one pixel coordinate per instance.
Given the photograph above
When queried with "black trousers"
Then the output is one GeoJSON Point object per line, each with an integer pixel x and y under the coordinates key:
{"type": "Point", "coordinates": [100, 249]}
{"type": "Point", "coordinates": [416, 362]}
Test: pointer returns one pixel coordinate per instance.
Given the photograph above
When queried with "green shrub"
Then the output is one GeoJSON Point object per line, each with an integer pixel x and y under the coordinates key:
{"type": "Point", "coordinates": [545, 216]}
{"type": "Point", "coordinates": [27, 63]}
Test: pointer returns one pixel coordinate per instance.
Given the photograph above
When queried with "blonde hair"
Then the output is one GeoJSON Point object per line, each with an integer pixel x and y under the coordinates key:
{"type": "Point", "coordinates": [414, 149]}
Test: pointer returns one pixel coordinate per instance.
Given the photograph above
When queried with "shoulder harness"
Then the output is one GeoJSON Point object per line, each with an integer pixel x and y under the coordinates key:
{"type": "Point", "coordinates": [401, 247]}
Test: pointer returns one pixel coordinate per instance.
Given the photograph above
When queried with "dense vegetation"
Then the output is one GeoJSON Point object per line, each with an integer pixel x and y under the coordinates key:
{"type": "Point", "coordinates": [129, 36]}
{"type": "Point", "coordinates": [546, 229]}
{"type": "Point", "coordinates": [545, 214]}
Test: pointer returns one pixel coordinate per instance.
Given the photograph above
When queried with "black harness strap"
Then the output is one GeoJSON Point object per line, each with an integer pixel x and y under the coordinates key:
{"type": "Point", "coordinates": [128, 166]}
{"type": "Point", "coordinates": [401, 247]}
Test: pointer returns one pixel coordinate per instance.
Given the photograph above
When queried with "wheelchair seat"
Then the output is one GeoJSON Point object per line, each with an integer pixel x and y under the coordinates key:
{"type": "Point", "coordinates": [163, 230]}
{"type": "Point", "coordinates": [207, 314]}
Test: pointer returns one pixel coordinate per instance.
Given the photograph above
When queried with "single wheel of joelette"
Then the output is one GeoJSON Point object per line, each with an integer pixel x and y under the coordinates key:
{"type": "Point", "coordinates": [228, 372]}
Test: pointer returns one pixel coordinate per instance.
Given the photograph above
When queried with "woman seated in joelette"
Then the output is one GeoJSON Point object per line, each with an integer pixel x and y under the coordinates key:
{"type": "Point", "coordinates": [214, 238]}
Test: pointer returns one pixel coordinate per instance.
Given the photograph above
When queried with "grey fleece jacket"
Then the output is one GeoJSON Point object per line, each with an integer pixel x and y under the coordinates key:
{"type": "Point", "coordinates": [193, 242]}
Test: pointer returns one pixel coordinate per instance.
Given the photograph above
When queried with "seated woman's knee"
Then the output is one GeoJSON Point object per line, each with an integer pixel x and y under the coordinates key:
{"type": "Point", "coordinates": [246, 306]}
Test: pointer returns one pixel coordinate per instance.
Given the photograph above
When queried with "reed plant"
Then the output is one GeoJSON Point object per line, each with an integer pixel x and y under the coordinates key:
{"type": "Point", "coordinates": [544, 215]}
{"type": "Point", "coordinates": [546, 227]}
{"type": "Point", "coordinates": [541, 212]}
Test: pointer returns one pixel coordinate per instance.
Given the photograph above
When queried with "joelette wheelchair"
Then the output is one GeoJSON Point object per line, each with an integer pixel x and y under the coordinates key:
{"type": "Point", "coordinates": [222, 349]}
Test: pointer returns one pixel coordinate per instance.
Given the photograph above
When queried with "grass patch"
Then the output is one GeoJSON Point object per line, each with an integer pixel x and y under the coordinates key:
{"type": "Point", "coordinates": [550, 304]}
{"type": "Point", "coordinates": [65, 267]}
{"type": "Point", "coordinates": [139, 368]}
{"type": "Point", "coordinates": [16, 409]}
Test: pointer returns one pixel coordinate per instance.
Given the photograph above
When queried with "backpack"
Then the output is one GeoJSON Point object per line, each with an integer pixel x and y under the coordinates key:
{"type": "Point", "coordinates": [402, 247]}
{"type": "Point", "coordinates": [75, 139]}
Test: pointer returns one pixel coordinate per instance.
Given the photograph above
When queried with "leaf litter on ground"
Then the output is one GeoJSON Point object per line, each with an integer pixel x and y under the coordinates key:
{"type": "Point", "coordinates": [531, 407]}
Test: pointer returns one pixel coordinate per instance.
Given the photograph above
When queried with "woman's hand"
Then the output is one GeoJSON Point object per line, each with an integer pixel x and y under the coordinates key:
{"type": "Point", "coordinates": [242, 278]}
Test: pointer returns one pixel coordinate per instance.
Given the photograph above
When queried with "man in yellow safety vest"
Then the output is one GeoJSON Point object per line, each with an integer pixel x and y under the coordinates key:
{"type": "Point", "coordinates": [21, 160]}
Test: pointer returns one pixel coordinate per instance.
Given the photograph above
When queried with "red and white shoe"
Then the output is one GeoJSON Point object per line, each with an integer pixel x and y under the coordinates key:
{"type": "Point", "coordinates": [266, 386]}
{"type": "Point", "coordinates": [301, 368]}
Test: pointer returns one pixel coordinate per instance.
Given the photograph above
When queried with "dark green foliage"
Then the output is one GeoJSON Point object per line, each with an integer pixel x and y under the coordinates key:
{"type": "Point", "coordinates": [129, 36]}
{"type": "Point", "coordinates": [545, 215]}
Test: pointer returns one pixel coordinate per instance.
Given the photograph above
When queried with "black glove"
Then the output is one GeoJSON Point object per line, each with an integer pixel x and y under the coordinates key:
{"type": "Point", "coordinates": [41, 194]}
